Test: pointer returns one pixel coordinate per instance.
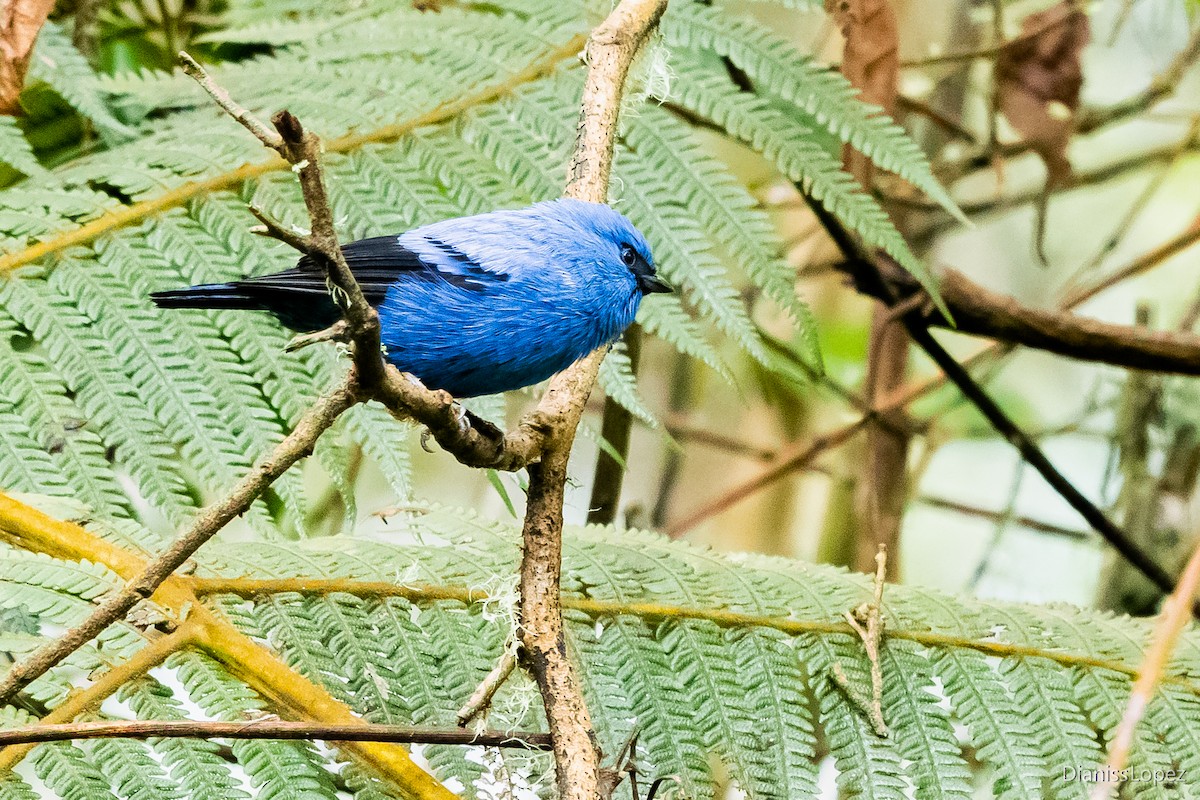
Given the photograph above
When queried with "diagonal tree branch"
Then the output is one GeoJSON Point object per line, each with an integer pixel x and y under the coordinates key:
{"type": "Point", "coordinates": [878, 275]}
{"type": "Point", "coordinates": [982, 312]}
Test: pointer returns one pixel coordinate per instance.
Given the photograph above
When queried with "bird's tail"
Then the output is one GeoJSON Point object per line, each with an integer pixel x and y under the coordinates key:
{"type": "Point", "coordinates": [209, 295]}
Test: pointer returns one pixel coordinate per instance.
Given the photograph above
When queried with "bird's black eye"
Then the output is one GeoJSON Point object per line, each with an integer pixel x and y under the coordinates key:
{"type": "Point", "coordinates": [628, 256]}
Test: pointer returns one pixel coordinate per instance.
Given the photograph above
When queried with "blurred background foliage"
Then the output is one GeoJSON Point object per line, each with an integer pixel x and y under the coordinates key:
{"type": "Point", "coordinates": [976, 518]}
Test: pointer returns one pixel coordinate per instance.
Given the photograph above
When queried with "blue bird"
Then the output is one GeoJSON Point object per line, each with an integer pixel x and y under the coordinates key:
{"type": "Point", "coordinates": [475, 305]}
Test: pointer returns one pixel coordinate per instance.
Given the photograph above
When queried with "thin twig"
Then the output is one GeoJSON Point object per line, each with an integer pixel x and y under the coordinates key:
{"type": "Point", "coordinates": [243, 116]}
{"type": "Point", "coordinates": [678, 427]}
{"type": "Point", "coordinates": [867, 622]}
{"type": "Point", "coordinates": [481, 698]}
{"type": "Point", "coordinates": [337, 332]}
{"type": "Point", "coordinates": [993, 137]}
{"type": "Point", "coordinates": [943, 121]}
{"type": "Point", "coordinates": [302, 149]}
{"type": "Point", "coordinates": [1177, 611]}
{"type": "Point", "coordinates": [997, 201]}
{"type": "Point", "coordinates": [990, 51]}
{"type": "Point", "coordinates": [1161, 85]}
{"type": "Point", "coordinates": [789, 460]}
{"type": "Point", "coordinates": [1002, 517]}
{"type": "Point", "coordinates": [277, 230]}
{"type": "Point", "coordinates": [1138, 266]}
{"type": "Point", "coordinates": [624, 764]}
{"type": "Point", "coordinates": [271, 729]}
{"type": "Point", "coordinates": [1140, 203]}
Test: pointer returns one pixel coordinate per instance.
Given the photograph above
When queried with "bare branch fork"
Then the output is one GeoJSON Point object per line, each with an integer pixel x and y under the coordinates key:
{"type": "Point", "coordinates": [878, 275]}
{"type": "Point", "coordinates": [541, 441]}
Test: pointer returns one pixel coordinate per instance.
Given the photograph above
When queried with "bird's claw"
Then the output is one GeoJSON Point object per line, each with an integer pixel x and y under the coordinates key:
{"type": "Point", "coordinates": [464, 422]}
{"type": "Point", "coordinates": [461, 419]}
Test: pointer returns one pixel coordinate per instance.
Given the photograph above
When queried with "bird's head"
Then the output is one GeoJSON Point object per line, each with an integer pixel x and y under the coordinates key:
{"type": "Point", "coordinates": [623, 245]}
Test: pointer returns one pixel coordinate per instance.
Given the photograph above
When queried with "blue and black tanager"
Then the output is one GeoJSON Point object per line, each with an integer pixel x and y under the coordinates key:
{"type": "Point", "coordinates": [476, 305]}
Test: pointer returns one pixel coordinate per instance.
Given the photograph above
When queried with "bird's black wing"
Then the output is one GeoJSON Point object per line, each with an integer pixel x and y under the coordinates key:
{"type": "Point", "coordinates": [300, 298]}
{"type": "Point", "coordinates": [377, 263]}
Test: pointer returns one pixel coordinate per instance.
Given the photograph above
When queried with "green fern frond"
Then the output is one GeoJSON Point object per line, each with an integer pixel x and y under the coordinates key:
{"type": "Point", "coordinates": [938, 768]}
{"type": "Point", "coordinates": [789, 145]}
{"type": "Point", "coordinates": [386, 442]}
{"type": "Point", "coordinates": [56, 61]}
{"type": "Point", "coordinates": [710, 655]}
{"type": "Point", "coordinates": [134, 772]}
{"type": "Point", "coordinates": [620, 383]}
{"type": "Point", "coordinates": [70, 773]}
{"type": "Point", "coordinates": [276, 770]}
{"type": "Point", "coordinates": [195, 764]}
{"type": "Point", "coordinates": [140, 444]}
{"type": "Point", "coordinates": [667, 319]}
{"type": "Point", "coordinates": [53, 422]}
{"type": "Point", "coordinates": [720, 203]}
{"type": "Point", "coordinates": [15, 150]}
{"type": "Point", "coordinates": [997, 728]}
{"type": "Point", "coordinates": [12, 787]}
{"type": "Point", "coordinates": [183, 403]}
{"type": "Point", "coordinates": [778, 68]}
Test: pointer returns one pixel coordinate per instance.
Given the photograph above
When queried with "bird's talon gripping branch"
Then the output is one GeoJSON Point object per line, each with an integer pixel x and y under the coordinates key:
{"type": "Point", "coordinates": [426, 435]}
{"type": "Point", "coordinates": [462, 418]}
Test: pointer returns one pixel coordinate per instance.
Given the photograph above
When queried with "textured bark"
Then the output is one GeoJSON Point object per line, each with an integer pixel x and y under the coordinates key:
{"type": "Point", "coordinates": [980, 311]}
{"type": "Point", "coordinates": [610, 52]}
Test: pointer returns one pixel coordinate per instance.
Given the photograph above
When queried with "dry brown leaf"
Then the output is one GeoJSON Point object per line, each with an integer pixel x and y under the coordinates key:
{"type": "Point", "coordinates": [870, 61]}
{"type": "Point", "coordinates": [20, 21]}
{"type": "Point", "coordinates": [1039, 76]}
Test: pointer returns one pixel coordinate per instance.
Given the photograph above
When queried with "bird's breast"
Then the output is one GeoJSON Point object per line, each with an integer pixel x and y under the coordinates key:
{"type": "Point", "coordinates": [506, 337]}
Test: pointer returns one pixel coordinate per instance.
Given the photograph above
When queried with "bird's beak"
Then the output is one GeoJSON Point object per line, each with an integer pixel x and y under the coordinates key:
{"type": "Point", "coordinates": [652, 284]}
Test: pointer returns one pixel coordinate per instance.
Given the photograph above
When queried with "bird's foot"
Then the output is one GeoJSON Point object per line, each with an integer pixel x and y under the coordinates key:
{"type": "Point", "coordinates": [462, 419]}
{"type": "Point", "coordinates": [337, 332]}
